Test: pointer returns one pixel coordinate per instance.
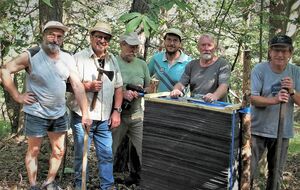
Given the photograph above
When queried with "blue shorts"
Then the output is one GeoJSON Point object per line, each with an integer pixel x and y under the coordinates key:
{"type": "Point", "coordinates": [38, 127]}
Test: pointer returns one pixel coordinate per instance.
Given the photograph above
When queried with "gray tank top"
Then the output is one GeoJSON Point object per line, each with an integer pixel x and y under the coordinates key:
{"type": "Point", "coordinates": [47, 80]}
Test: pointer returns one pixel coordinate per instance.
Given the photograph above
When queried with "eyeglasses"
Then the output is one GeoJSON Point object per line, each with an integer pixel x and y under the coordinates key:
{"type": "Point", "coordinates": [174, 40]}
{"type": "Point", "coordinates": [52, 35]}
{"type": "Point", "coordinates": [100, 37]}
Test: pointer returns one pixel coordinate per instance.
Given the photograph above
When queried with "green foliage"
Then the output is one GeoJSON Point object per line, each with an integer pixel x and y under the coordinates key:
{"type": "Point", "coordinates": [294, 147]}
{"type": "Point", "coordinates": [135, 20]}
{"type": "Point", "coordinates": [133, 24]}
{"type": "Point", "coordinates": [4, 128]}
{"type": "Point", "coordinates": [129, 16]}
{"type": "Point", "coordinates": [149, 22]}
{"type": "Point", "coordinates": [47, 2]}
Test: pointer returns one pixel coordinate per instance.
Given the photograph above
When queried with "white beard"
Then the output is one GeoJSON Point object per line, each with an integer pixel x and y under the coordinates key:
{"type": "Point", "coordinates": [206, 56]}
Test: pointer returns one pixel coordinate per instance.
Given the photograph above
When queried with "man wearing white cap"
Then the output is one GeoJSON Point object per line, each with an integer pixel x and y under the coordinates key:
{"type": "Point", "coordinates": [47, 69]}
{"type": "Point", "coordinates": [135, 73]}
{"type": "Point", "coordinates": [168, 66]}
{"type": "Point", "coordinates": [106, 90]}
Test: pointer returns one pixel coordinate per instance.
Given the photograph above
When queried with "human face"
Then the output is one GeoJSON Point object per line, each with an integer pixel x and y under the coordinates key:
{"type": "Point", "coordinates": [99, 42]}
{"type": "Point", "coordinates": [53, 39]}
{"type": "Point", "coordinates": [280, 55]}
{"type": "Point", "coordinates": [128, 52]}
{"type": "Point", "coordinates": [172, 43]}
{"type": "Point", "coordinates": [206, 47]}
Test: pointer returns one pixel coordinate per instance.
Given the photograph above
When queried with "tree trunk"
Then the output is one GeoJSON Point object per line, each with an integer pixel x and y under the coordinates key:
{"type": "Point", "coordinates": [246, 127]}
{"type": "Point", "coordinates": [47, 13]}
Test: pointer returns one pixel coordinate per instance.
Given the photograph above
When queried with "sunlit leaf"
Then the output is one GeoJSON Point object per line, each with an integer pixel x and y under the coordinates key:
{"type": "Point", "coordinates": [151, 23]}
{"type": "Point", "coordinates": [133, 24]}
{"type": "Point", "coordinates": [146, 27]}
{"type": "Point", "coordinates": [129, 16]}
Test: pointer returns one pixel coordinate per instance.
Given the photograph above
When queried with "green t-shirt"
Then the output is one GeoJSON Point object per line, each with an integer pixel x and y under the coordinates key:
{"type": "Point", "coordinates": [136, 73]}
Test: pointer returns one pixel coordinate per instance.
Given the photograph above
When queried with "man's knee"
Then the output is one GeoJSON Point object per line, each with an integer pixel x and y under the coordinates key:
{"type": "Point", "coordinates": [33, 152]}
{"type": "Point", "coordinates": [58, 152]}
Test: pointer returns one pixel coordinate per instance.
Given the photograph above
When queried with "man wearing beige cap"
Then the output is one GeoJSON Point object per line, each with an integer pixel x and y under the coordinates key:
{"type": "Point", "coordinates": [134, 73]}
{"type": "Point", "coordinates": [47, 69]}
{"type": "Point", "coordinates": [104, 88]}
{"type": "Point", "coordinates": [168, 66]}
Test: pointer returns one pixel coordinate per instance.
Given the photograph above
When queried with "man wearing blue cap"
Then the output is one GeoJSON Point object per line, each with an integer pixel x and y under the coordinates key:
{"type": "Point", "coordinates": [135, 73]}
{"type": "Point", "coordinates": [273, 82]}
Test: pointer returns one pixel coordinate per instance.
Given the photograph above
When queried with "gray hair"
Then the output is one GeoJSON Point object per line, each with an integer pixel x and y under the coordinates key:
{"type": "Point", "coordinates": [209, 36]}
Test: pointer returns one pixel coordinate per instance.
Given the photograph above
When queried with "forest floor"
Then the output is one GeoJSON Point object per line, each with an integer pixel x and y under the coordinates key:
{"type": "Point", "coordinates": [13, 172]}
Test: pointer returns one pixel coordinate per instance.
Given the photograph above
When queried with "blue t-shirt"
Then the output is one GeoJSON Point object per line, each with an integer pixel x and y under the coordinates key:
{"type": "Point", "coordinates": [266, 83]}
{"type": "Point", "coordinates": [167, 75]}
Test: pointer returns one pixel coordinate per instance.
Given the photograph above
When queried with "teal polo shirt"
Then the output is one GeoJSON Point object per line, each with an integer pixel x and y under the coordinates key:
{"type": "Point", "coordinates": [167, 76]}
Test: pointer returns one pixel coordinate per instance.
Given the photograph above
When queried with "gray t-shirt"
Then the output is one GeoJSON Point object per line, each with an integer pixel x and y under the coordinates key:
{"type": "Point", "coordinates": [203, 80]}
{"type": "Point", "coordinates": [47, 80]}
{"type": "Point", "coordinates": [266, 83]}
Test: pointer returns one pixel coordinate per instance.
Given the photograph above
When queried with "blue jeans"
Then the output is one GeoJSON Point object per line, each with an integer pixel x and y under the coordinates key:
{"type": "Point", "coordinates": [102, 137]}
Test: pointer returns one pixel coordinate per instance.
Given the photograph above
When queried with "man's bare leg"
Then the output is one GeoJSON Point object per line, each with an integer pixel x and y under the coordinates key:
{"type": "Point", "coordinates": [31, 161]}
{"type": "Point", "coordinates": [57, 141]}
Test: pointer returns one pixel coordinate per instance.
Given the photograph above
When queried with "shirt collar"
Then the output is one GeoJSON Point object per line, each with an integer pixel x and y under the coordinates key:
{"type": "Point", "coordinates": [179, 60]}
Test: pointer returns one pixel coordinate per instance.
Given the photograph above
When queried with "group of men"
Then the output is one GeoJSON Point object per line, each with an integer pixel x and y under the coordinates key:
{"type": "Point", "coordinates": [101, 83]}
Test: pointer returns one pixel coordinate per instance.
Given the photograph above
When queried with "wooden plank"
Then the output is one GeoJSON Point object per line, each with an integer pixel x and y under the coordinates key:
{"type": "Point", "coordinates": [164, 97]}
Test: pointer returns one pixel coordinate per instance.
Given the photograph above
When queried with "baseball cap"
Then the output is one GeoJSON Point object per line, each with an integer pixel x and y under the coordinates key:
{"type": "Point", "coordinates": [281, 40]}
{"type": "Point", "coordinates": [102, 27]}
{"type": "Point", "coordinates": [55, 24]}
{"type": "Point", "coordinates": [175, 31]}
{"type": "Point", "coordinates": [131, 38]}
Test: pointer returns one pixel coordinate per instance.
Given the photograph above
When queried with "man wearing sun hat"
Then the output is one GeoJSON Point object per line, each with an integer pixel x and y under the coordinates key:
{"type": "Point", "coordinates": [273, 82]}
{"type": "Point", "coordinates": [47, 69]}
{"type": "Point", "coordinates": [134, 72]}
{"type": "Point", "coordinates": [168, 66]}
{"type": "Point", "coordinates": [107, 91]}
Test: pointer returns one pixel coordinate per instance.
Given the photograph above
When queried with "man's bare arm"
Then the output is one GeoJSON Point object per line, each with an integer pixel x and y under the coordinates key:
{"type": "Point", "coordinates": [17, 64]}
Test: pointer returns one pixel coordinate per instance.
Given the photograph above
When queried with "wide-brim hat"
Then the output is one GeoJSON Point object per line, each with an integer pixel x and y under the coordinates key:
{"type": "Point", "coordinates": [131, 38]}
{"type": "Point", "coordinates": [55, 24]}
{"type": "Point", "coordinates": [102, 27]}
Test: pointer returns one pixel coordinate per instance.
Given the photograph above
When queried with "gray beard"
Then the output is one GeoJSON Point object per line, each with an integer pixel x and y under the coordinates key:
{"type": "Point", "coordinates": [206, 56]}
{"type": "Point", "coordinates": [53, 48]}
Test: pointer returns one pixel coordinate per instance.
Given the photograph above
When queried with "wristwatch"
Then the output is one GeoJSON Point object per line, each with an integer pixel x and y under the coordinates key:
{"type": "Point", "coordinates": [292, 92]}
{"type": "Point", "coordinates": [119, 109]}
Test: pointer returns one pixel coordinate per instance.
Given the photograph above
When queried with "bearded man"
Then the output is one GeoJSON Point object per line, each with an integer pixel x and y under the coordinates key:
{"type": "Point", "coordinates": [47, 70]}
{"type": "Point", "coordinates": [168, 66]}
{"type": "Point", "coordinates": [207, 76]}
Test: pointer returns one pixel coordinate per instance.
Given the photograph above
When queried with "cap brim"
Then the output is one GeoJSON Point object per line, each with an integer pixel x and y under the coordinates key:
{"type": "Point", "coordinates": [99, 30]}
{"type": "Point", "coordinates": [281, 44]}
{"type": "Point", "coordinates": [63, 28]}
{"type": "Point", "coordinates": [174, 34]}
{"type": "Point", "coordinates": [133, 43]}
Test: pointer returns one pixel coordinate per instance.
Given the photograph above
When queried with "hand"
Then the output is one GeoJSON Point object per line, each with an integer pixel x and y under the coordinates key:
{"type": "Point", "coordinates": [93, 86]}
{"type": "Point", "coordinates": [26, 98]}
{"type": "Point", "coordinates": [115, 120]}
{"type": "Point", "coordinates": [176, 93]}
{"type": "Point", "coordinates": [283, 96]}
{"type": "Point", "coordinates": [86, 122]}
{"type": "Point", "coordinates": [287, 83]}
{"type": "Point", "coordinates": [209, 97]}
{"type": "Point", "coordinates": [130, 95]}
